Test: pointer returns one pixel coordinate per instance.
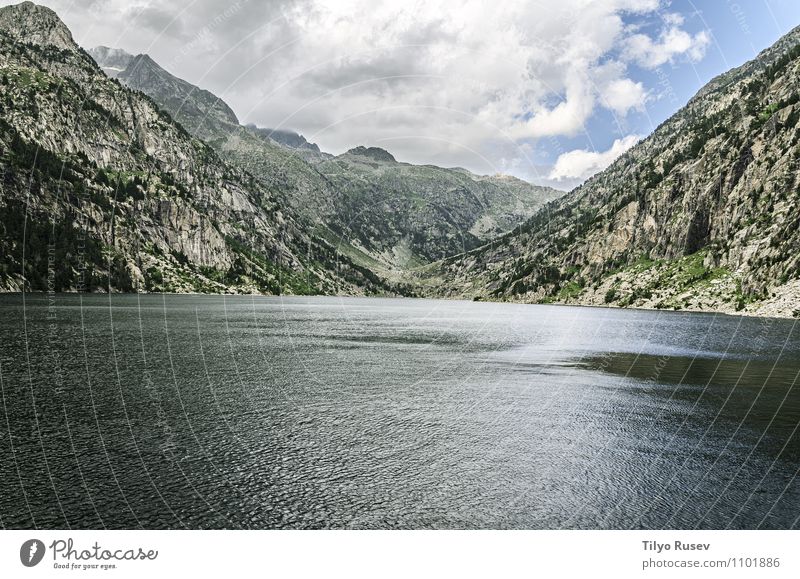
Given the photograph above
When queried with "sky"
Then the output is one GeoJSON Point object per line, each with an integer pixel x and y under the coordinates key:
{"type": "Point", "coordinates": [549, 91]}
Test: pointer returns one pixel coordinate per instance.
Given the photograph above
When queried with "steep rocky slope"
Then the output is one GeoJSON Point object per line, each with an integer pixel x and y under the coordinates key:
{"type": "Point", "coordinates": [703, 214]}
{"type": "Point", "coordinates": [194, 108]}
{"type": "Point", "coordinates": [101, 189]}
{"type": "Point", "coordinates": [385, 215]}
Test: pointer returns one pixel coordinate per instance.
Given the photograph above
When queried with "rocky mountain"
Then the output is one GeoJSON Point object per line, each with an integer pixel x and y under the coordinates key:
{"type": "Point", "coordinates": [198, 110]}
{"type": "Point", "coordinates": [102, 189]}
{"type": "Point", "coordinates": [385, 215]}
{"type": "Point", "coordinates": [28, 23]}
{"type": "Point", "coordinates": [703, 214]}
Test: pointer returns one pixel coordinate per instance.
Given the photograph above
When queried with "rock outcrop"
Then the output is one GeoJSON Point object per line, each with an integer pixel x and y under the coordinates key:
{"type": "Point", "coordinates": [36, 25]}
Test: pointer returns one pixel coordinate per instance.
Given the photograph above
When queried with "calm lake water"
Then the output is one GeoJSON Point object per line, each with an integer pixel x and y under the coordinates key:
{"type": "Point", "coordinates": [155, 411]}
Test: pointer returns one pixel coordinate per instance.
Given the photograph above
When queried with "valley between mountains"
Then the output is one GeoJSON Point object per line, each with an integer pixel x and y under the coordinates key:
{"type": "Point", "coordinates": [119, 176]}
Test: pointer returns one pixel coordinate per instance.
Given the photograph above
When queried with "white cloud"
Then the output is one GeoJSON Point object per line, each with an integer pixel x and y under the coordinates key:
{"type": "Point", "coordinates": [566, 118]}
{"type": "Point", "coordinates": [463, 83]}
{"type": "Point", "coordinates": [582, 164]}
{"type": "Point", "coordinates": [673, 19]}
{"type": "Point", "coordinates": [673, 41]}
{"type": "Point", "coordinates": [622, 95]}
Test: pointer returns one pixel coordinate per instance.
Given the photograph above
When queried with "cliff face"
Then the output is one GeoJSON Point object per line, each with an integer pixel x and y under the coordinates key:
{"type": "Point", "coordinates": [101, 189]}
{"type": "Point", "coordinates": [703, 214]}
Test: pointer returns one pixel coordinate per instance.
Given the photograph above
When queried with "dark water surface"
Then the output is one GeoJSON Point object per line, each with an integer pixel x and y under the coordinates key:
{"type": "Point", "coordinates": [250, 412]}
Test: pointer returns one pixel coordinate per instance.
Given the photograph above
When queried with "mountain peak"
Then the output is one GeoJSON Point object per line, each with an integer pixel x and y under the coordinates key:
{"type": "Point", "coordinates": [374, 153]}
{"type": "Point", "coordinates": [189, 104]}
{"type": "Point", "coordinates": [34, 24]}
{"type": "Point", "coordinates": [143, 63]}
{"type": "Point", "coordinates": [112, 60]}
{"type": "Point", "coordinates": [147, 59]}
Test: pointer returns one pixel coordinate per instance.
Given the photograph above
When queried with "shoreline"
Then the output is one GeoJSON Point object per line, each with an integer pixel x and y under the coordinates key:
{"type": "Point", "coordinates": [743, 313]}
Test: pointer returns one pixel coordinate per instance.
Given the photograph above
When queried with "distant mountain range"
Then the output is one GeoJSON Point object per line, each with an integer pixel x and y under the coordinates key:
{"type": "Point", "coordinates": [119, 175]}
{"type": "Point", "coordinates": [387, 216]}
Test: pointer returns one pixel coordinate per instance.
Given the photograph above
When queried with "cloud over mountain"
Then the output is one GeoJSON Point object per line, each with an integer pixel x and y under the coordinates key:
{"type": "Point", "coordinates": [454, 84]}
